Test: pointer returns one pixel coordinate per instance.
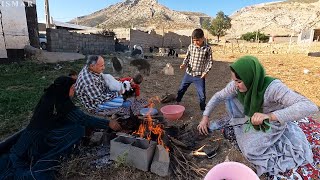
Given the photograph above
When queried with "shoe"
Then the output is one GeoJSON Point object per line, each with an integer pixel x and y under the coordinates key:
{"type": "Point", "coordinates": [168, 98]}
{"type": "Point", "coordinates": [202, 107]}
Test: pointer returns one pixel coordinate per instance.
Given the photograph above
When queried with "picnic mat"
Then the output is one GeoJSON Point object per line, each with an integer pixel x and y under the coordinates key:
{"type": "Point", "coordinates": [136, 106]}
{"type": "Point", "coordinates": [311, 128]}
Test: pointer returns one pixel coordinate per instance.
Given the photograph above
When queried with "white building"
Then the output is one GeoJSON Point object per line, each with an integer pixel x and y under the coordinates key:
{"type": "Point", "coordinates": [309, 35]}
{"type": "Point", "coordinates": [14, 30]}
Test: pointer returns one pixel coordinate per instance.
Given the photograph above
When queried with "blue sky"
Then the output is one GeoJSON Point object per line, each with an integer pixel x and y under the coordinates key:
{"type": "Point", "coordinates": [65, 10]}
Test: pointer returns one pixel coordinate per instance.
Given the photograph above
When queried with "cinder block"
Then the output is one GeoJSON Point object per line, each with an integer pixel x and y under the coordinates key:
{"type": "Point", "coordinates": [161, 162]}
{"type": "Point", "coordinates": [120, 146]}
{"type": "Point", "coordinates": [141, 154]}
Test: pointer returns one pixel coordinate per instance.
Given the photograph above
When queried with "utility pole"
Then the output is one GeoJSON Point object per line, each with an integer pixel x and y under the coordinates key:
{"type": "Point", "coordinates": [47, 14]}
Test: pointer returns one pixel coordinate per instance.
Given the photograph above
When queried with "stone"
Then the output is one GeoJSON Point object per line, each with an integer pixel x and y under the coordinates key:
{"type": "Point", "coordinates": [32, 51]}
{"type": "Point", "coordinates": [96, 138]}
{"type": "Point", "coordinates": [161, 162]}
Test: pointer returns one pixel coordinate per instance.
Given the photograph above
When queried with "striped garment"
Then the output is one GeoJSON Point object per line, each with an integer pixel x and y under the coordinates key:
{"type": "Point", "coordinates": [114, 103]}
{"type": "Point", "coordinates": [92, 90]}
{"type": "Point", "coordinates": [198, 60]}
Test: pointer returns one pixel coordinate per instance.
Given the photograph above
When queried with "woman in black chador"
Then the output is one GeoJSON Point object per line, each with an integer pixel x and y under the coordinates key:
{"type": "Point", "coordinates": [55, 127]}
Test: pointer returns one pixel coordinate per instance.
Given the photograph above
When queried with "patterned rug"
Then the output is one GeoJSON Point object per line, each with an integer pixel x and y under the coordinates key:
{"type": "Point", "coordinates": [311, 129]}
{"type": "Point", "coordinates": [136, 106]}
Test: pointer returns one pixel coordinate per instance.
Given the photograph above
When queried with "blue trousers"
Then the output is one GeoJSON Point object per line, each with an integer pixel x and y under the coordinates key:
{"type": "Point", "coordinates": [36, 164]}
{"type": "Point", "coordinates": [233, 112]}
{"type": "Point", "coordinates": [200, 85]}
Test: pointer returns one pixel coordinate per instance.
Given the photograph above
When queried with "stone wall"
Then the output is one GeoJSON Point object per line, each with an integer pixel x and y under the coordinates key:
{"type": "Point", "coordinates": [150, 39]}
{"type": "Point", "coordinates": [266, 48]}
{"type": "Point", "coordinates": [285, 39]}
{"type": "Point", "coordinates": [61, 40]}
{"type": "Point", "coordinates": [123, 35]}
{"type": "Point", "coordinates": [147, 39]}
{"type": "Point", "coordinates": [188, 32]}
{"type": "Point", "coordinates": [172, 39]}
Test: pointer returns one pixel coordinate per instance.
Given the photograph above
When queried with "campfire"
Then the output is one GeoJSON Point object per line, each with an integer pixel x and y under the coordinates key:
{"type": "Point", "coordinates": [154, 145]}
{"type": "Point", "coordinates": [151, 127]}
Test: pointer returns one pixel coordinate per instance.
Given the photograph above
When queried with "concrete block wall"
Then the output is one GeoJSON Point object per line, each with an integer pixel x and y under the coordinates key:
{"type": "Point", "coordinates": [147, 39]}
{"type": "Point", "coordinates": [169, 39]}
{"type": "Point", "coordinates": [61, 40]}
{"type": "Point", "coordinates": [122, 33]}
{"type": "Point", "coordinates": [144, 39]}
{"type": "Point", "coordinates": [172, 39]}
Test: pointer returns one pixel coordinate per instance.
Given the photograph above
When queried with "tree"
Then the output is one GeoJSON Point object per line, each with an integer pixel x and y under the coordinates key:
{"type": "Point", "coordinates": [206, 24]}
{"type": "Point", "coordinates": [219, 25]}
{"type": "Point", "coordinates": [250, 36]}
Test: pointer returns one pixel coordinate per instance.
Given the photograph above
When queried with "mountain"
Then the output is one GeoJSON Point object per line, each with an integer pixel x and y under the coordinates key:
{"type": "Point", "coordinates": [276, 18]}
{"type": "Point", "coordinates": [140, 13]}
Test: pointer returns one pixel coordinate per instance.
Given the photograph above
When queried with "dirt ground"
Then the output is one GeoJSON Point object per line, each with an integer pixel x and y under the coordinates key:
{"type": "Point", "coordinates": [288, 68]}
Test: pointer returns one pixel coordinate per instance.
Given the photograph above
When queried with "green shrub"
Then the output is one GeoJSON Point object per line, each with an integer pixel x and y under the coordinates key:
{"type": "Point", "coordinates": [251, 36]}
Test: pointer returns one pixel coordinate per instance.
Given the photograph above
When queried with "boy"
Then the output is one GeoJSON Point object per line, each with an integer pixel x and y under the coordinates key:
{"type": "Point", "coordinates": [135, 83]}
{"type": "Point", "coordinates": [198, 63]}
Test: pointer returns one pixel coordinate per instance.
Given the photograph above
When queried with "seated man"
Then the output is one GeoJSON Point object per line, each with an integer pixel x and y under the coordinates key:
{"type": "Point", "coordinates": [90, 86]}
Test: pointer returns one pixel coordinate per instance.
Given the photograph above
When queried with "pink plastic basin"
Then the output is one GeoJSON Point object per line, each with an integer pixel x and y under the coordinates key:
{"type": "Point", "coordinates": [172, 112]}
{"type": "Point", "coordinates": [231, 171]}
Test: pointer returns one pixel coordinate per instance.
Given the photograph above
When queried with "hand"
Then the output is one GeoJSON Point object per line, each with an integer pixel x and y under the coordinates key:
{"type": "Point", "coordinates": [204, 75]}
{"type": "Point", "coordinates": [182, 66]}
{"type": "Point", "coordinates": [258, 118]}
{"type": "Point", "coordinates": [114, 125]}
{"type": "Point", "coordinates": [121, 92]}
{"type": "Point", "coordinates": [203, 126]}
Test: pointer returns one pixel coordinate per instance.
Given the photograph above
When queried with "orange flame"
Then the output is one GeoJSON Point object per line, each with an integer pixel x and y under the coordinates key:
{"type": "Point", "coordinates": [148, 125]}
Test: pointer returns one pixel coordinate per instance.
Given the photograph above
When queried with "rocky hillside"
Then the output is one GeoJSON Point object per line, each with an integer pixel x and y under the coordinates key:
{"type": "Point", "coordinates": [140, 13]}
{"type": "Point", "coordinates": [278, 18]}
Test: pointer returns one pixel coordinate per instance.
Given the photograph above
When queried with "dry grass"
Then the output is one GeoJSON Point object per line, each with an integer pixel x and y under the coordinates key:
{"type": "Point", "coordinates": [289, 68]}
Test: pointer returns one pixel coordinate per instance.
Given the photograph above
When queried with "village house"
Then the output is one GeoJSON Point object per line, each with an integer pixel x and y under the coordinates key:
{"type": "Point", "coordinates": [17, 32]}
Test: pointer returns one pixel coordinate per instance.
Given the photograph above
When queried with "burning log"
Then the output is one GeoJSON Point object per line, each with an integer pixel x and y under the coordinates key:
{"type": "Point", "coordinates": [153, 128]}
